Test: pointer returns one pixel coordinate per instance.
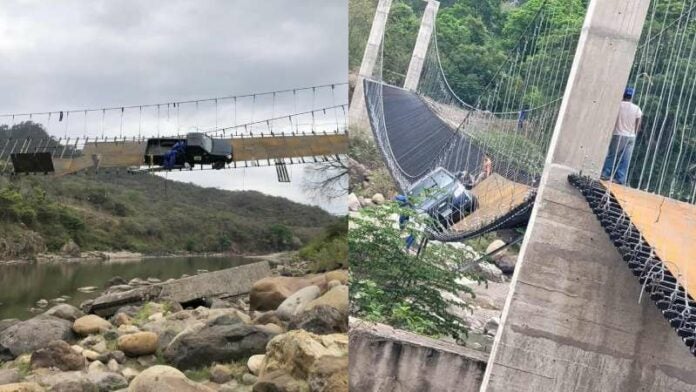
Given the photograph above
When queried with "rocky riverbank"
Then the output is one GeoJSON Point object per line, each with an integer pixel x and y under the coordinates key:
{"type": "Point", "coordinates": [126, 256]}
{"type": "Point", "coordinates": [287, 334]}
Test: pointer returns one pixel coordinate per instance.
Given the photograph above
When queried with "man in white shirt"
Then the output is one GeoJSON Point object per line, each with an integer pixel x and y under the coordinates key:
{"type": "Point", "coordinates": [624, 139]}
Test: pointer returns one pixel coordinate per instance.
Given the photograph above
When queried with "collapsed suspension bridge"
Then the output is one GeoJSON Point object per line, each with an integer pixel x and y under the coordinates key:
{"type": "Point", "coordinates": [560, 316]}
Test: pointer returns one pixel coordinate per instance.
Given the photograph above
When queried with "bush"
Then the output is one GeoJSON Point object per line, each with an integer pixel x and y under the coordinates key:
{"type": "Point", "coordinates": [393, 285]}
{"type": "Point", "coordinates": [329, 250]}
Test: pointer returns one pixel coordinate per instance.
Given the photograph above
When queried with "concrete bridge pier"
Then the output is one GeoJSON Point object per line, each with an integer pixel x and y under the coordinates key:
{"type": "Point", "coordinates": [572, 321]}
{"type": "Point", "coordinates": [357, 112]}
{"type": "Point", "coordinates": [420, 50]}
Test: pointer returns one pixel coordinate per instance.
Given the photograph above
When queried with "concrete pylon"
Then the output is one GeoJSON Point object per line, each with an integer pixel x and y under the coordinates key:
{"type": "Point", "coordinates": [357, 113]}
{"type": "Point", "coordinates": [572, 321]}
{"type": "Point", "coordinates": [415, 66]}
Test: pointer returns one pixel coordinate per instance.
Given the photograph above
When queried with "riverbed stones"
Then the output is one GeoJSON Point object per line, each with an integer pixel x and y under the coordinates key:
{"type": "Point", "coordinates": [164, 379]}
{"type": "Point", "coordinates": [490, 272]}
{"type": "Point", "coordinates": [21, 387]}
{"type": "Point", "coordinates": [30, 335]}
{"type": "Point", "coordinates": [116, 355]}
{"type": "Point", "coordinates": [506, 263]}
{"type": "Point", "coordinates": [336, 298]}
{"type": "Point", "coordinates": [254, 363]}
{"type": "Point", "coordinates": [305, 357]}
{"type": "Point", "coordinates": [321, 319]}
{"type": "Point", "coordinates": [297, 301]}
{"type": "Point", "coordinates": [94, 342]}
{"type": "Point", "coordinates": [269, 293]}
{"type": "Point", "coordinates": [90, 324]}
{"type": "Point", "coordinates": [65, 311]}
{"type": "Point", "coordinates": [68, 382]}
{"type": "Point", "coordinates": [249, 379]}
{"type": "Point", "coordinates": [129, 373]}
{"type": "Point", "coordinates": [122, 319]}
{"type": "Point", "coordinates": [113, 365]}
{"type": "Point", "coordinates": [139, 343]}
{"type": "Point", "coordinates": [90, 355]}
{"type": "Point", "coordinates": [353, 202]}
{"type": "Point", "coordinates": [7, 323]}
{"type": "Point", "coordinates": [339, 275]}
{"type": "Point", "coordinates": [96, 366]}
{"type": "Point", "coordinates": [107, 381]}
{"type": "Point", "coordinates": [329, 374]}
{"type": "Point", "coordinates": [495, 245]}
{"type": "Point", "coordinates": [57, 354]}
{"type": "Point", "coordinates": [226, 338]}
{"type": "Point", "coordinates": [280, 380]}
{"type": "Point", "coordinates": [378, 198]}
{"type": "Point", "coordinates": [491, 326]}
{"type": "Point", "coordinates": [220, 374]}
{"type": "Point", "coordinates": [9, 376]}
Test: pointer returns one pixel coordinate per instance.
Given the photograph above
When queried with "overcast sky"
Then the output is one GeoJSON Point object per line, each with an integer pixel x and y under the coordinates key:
{"type": "Point", "coordinates": [70, 54]}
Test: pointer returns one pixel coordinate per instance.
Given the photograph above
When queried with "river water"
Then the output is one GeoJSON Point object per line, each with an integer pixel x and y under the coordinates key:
{"type": "Point", "coordinates": [22, 285]}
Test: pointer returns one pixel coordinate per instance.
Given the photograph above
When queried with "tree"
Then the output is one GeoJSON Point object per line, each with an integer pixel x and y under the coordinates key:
{"type": "Point", "coordinates": [399, 40]}
{"type": "Point", "coordinates": [394, 285]}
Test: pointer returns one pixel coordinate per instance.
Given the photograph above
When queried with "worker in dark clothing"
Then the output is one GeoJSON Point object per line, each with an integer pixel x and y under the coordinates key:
{"type": "Point", "coordinates": [521, 118]}
{"type": "Point", "coordinates": [403, 220]}
{"type": "Point", "coordinates": [170, 157]}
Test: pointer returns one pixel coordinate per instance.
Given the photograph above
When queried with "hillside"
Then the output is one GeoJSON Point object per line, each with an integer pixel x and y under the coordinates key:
{"type": "Point", "coordinates": [148, 214]}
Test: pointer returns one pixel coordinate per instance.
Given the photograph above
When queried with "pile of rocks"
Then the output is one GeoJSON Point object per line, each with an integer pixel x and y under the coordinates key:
{"type": "Point", "coordinates": [357, 202]}
{"type": "Point", "coordinates": [288, 335]}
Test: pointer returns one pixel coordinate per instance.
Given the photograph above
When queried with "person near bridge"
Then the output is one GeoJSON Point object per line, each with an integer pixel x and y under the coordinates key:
{"type": "Point", "coordinates": [623, 140]}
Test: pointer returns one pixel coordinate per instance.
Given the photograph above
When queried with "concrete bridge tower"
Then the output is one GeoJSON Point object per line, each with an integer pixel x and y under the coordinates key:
{"type": "Point", "coordinates": [357, 113]}
{"type": "Point", "coordinates": [415, 66]}
{"type": "Point", "coordinates": [572, 321]}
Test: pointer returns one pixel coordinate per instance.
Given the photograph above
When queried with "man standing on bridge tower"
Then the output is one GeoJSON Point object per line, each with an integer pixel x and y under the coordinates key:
{"type": "Point", "coordinates": [624, 139]}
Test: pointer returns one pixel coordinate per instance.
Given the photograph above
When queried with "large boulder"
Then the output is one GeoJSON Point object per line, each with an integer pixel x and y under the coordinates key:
{"type": "Point", "coordinates": [489, 272]}
{"type": "Point", "coordinates": [57, 354]}
{"type": "Point", "coordinates": [319, 360]}
{"type": "Point", "coordinates": [336, 298]}
{"type": "Point", "coordinates": [68, 382]}
{"type": "Point", "coordinates": [339, 275]}
{"type": "Point", "coordinates": [506, 263]}
{"type": "Point", "coordinates": [139, 343]}
{"type": "Point", "coordinates": [171, 325]}
{"type": "Point", "coordinates": [164, 379]}
{"type": "Point", "coordinates": [65, 311]}
{"type": "Point", "coordinates": [280, 381]}
{"type": "Point", "coordinates": [269, 293]}
{"type": "Point", "coordinates": [378, 198]}
{"type": "Point", "coordinates": [90, 324]}
{"type": "Point", "coordinates": [254, 363]}
{"type": "Point", "coordinates": [107, 381]}
{"type": "Point", "coordinates": [320, 319]}
{"type": "Point", "coordinates": [21, 387]}
{"type": "Point", "coordinates": [30, 335]}
{"type": "Point", "coordinates": [9, 376]}
{"type": "Point", "coordinates": [7, 323]}
{"type": "Point", "coordinates": [494, 246]}
{"type": "Point", "coordinates": [353, 202]}
{"type": "Point", "coordinates": [224, 339]}
{"type": "Point", "coordinates": [297, 301]}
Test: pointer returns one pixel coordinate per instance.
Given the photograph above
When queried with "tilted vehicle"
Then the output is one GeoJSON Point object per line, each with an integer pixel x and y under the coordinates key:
{"type": "Point", "coordinates": [443, 197]}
